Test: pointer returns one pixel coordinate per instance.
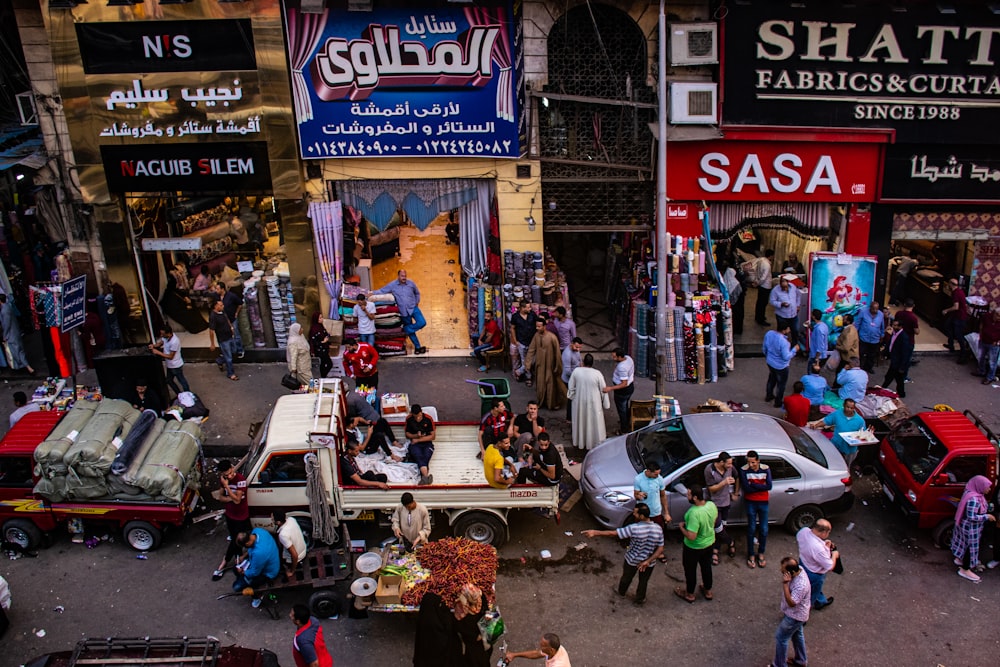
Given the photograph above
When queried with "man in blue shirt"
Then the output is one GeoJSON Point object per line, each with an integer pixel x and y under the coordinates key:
{"type": "Point", "coordinates": [814, 384]}
{"type": "Point", "coordinates": [785, 300]}
{"type": "Point", "coordinates": [871, 327]}
{"type": "Point", "coordinates": [650, 488]}
{"type": "Point", "coordinates": [778, 352]}
{"type": "Point", "coordinates": [845, 420]}
{"type": "Point", "coordinates": [262, 563]}
{"type": "Point", "coordinates": [407, 297]}
{"type": "Point", "coordinates": [819, 337]}
{"type": "Point", "coordinates": [853, 381]}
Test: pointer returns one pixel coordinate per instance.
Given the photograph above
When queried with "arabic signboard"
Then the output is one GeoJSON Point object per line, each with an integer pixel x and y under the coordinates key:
{"type": "Point", "coordinates": [931, 76]}
{"type": "Point", "coordinates": [166, 46]}
{"type": "Point", "coordinates": [74, 302]}
{"type": "Point", "coordinates": [440, 82]}
{"type": "Point", "coordinates": [200, 167]}
{"type": "Point", "coordinates": [931, 172]}
{"type": "Point", "coordinates": [772, 171]}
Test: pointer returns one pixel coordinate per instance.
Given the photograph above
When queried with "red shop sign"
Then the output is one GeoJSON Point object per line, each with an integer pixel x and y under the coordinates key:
{"type": "Point", "coordinates": [772, 171]}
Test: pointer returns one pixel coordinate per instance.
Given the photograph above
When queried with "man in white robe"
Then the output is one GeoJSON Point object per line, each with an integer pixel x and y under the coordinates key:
{"type": "Point", "coordinates": [589, 403]}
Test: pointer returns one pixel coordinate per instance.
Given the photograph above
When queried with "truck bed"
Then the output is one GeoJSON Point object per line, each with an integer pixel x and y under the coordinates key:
{"type": "Point", "coordinates": [459, 480]}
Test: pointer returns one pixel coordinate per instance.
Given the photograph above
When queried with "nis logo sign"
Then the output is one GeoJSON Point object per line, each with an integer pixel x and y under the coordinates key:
{"type": "Point", "coordinates": [166, 46]}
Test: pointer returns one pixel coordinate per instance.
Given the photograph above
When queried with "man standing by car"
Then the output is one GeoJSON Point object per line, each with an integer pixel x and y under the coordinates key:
{"type": "Point", "coordinates": [778, 353]}
{"type": "Point", "coordinates": [698, 529]}
{"type": "Point", "coordinates": [755, 480]}
{"type": "Point", "coordinates": [644, 548]}
{"type": "Point", "coordinates": [720, 480]}
{"type": "Point", "coordinates": [650, 488]}
{"type": "Point", "coordinates": [818, 555]}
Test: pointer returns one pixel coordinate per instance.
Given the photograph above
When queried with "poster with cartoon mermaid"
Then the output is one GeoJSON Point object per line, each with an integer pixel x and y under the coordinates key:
{"type": "Point", "coordinates": [840, 285]}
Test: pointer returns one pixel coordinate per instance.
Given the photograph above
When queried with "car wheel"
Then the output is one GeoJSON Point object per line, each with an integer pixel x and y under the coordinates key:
{"type": "Point", "coordinates": [481, 527]}
{"type": "Point", "coordinates": [325, 604]}
{"type": "Point", "coordinates": [142, 536]}
{"type": "Point", "coordinates": [23, 533]}
{"type": "Point", "coordinates": [942, 533]}
{"type": "Point", "coordinates": [803, 517]}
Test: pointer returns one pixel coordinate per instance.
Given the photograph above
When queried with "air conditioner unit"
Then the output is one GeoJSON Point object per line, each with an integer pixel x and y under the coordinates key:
{"type": "Point", "coordinates": [694, 103]}
{"type": "Point", "coordinates": [26, 108]}
{"type": "Point", "coordinates": [694, 43]}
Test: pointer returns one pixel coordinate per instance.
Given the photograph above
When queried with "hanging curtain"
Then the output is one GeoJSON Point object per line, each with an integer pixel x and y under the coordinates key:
{"type": "Point", "coordinates": [501, 55]}
{"type": "Point", "coordinates": [422, 200]}
{"type": "Point", "coordinates": [474, 229]}
{"type": "Point", "coordinates": [304, 32]}
{"type": "Point", "coordinates": [328, 232]}
{"type": "Point", "coordinates": [809, 219]}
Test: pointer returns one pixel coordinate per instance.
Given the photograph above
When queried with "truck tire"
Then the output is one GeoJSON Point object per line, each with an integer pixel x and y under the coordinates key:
{"type": "Point", "coordinates": [142, 536]}
{"type": "Point", "coordinates": [23, 533]}
{"type": "Point", "coordinates": [942, 533]}
{"type": "Point", "coordinates": [803, 516]}
{"type": "Point", "coordinates": [325, 604]}
{"type": "Point", "coordinates": [481, 527]}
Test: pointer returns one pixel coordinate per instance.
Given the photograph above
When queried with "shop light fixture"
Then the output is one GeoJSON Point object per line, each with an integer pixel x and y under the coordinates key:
{"type": "Point", "coordinates": [19, 177]}
{"type": "Point", "coordinates": [995, 7]}
{"type": "Point", "coordinates": [531, 223]}
{"type": "Point", "coordinates": [946, 8]}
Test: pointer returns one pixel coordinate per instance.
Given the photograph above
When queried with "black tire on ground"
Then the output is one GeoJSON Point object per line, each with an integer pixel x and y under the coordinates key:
{"type": "Point", "coordinates": [142, 536]}
{"type": "Point", "coordinates": [23, 533]}
{"type": "Point", "coordinates": [803, 517]}
{"type": "Point", "coordinates": [325, 604]}
{"type": "Point", "coordinates": [481, 527]}
{"type": "Point", "coordinates": [942, 533]}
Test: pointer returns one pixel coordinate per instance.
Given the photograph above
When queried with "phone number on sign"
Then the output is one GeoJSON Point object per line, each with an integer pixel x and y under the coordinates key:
{"type": "Point", "coordinates": [436, 147]}
{"type": "Point", "coordinates": [906, 112]}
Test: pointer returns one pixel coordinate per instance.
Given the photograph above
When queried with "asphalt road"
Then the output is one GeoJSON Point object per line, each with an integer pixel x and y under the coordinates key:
{"type": "Point", "coordinates": [899, 602]}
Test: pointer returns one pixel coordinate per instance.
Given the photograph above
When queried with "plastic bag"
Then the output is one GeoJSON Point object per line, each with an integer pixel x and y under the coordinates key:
{"type": "Point", "coordinates": [491, 628]}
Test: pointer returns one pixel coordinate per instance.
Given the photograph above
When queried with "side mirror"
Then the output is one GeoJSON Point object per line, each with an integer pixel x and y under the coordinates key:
{"type": "Point", "coordinates": [940, 479]}
{"type": "Point", "coordinates": [265, 477]}
{"type": "Point", "coordinates": [254, 428]}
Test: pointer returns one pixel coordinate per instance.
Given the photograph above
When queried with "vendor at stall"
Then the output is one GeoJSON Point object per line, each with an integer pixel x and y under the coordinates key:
{"type": "Point", "coordinates": [845, 420]}
{"type": "Point", "coordinates": [411, 522]}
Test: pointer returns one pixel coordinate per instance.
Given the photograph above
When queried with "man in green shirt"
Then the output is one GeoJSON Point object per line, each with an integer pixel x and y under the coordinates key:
{"type": "Point", "coordinates": [698, 529]}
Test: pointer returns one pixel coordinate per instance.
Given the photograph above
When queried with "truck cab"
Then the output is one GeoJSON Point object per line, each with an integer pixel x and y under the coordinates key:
{"type": "Point", "coordinates": [23, 516]}
{"type": "Point", "coordinates": [925, 462]}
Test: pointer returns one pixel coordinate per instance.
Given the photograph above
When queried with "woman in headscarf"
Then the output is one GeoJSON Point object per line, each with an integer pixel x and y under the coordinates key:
{"type": "Point", "coordinates": [297, 354]}
{"type": "Point", "coordinates": [970, 517]}
{"type": "Point", "coordinates": [319, 340]}
{"type": "Point", "coordinates": [451, 637]}
{"type": "Point", "coordinates": [470, 606]}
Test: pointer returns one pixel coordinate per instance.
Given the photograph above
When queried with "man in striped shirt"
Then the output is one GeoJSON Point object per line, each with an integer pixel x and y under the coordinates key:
{"type": "Point", "coordinates": [645, 546]}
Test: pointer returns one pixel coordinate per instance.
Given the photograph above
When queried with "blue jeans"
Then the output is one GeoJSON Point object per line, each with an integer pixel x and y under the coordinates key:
{"type": "Point", "coordinates": [790, 629]}
{"type": "Point", "coordinates": [421, 453]}
{"type": "Point", "coordinates": [816, 583]}
{"type": "Point", "coordinates": [777, 378]}
{"type": "Point", "coordinates": [237, 340]}
{"type": "Point", "coordinates": [413, 323]}
{"type": "Point", "coordinates": [242, 582]}
{"type": "Point", "coordinates": [226, 349]}
{"type": "Point", "coordinates": [179, 374]}
{"type": "Point", "coordinates": [955, 328]}
{"type": "Point", "coordinates": [756, 519]}
{"type": "Point", "coordinates": [988, 356]}
{"type": "Point", "coordinates": [519, 367]}
{"type": "Point", "coordinates": [478, 350]}
{"type": "Point", "coordinates": [622, 399]}
{"type": "Point", "coordinates": [367, 338]}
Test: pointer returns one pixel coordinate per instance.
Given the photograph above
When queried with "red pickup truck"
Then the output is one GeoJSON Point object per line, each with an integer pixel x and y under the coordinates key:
{"type": "Point", "coordinates": [27, 517]}
{"type": "Point", "coordinates": [925, 462]}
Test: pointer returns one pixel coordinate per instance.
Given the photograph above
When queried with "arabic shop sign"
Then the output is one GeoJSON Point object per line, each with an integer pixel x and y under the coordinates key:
{"type": "Point", "coordinates": [166, 46]}
{"type": "Point", "coordinates": [954, 173]}
{"type": "Point", "coordinates": [772, 171]}
{"type": "Point", "coordinates": [202, 167]}
{"type": "Point", "coordinates": [74, 302]}
{"type": "Point", "coordinates": [931, 76]}
{"type": "Point", "coordinates": [441, 82]}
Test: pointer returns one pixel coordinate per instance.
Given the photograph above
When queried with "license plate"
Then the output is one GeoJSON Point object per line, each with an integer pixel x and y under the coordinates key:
{"type": "Point", "coordinates": [888, 493]}
{"type": "Point", "coordinates": [367, 515]}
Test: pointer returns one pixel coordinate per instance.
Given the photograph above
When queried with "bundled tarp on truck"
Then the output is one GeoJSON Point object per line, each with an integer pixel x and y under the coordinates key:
{"type": "Point", "coordinates": [170, 464]}
{"type": "Point", "coordinates": [95, 449]}
{"type": "Point", "coordinates": [49, 454]}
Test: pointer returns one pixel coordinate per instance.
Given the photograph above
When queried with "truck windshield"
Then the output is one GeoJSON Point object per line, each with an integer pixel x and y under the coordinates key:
{"type": "Point", "coordinates": [666, 443]}
{"type": "Point", "coordinates": [804, 445]}
{"type": "Point", "coordinates": [917, 449]}
{"type": "Point", "coordinates": [256, 447]}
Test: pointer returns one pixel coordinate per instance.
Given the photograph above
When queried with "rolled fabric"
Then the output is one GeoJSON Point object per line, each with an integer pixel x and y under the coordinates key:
{"type": "Point", "coordinates": [133, 441]}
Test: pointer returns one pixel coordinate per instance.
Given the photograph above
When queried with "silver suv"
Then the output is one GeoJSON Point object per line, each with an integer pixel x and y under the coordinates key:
{"type": "Point", "coordinates": [809, 475]}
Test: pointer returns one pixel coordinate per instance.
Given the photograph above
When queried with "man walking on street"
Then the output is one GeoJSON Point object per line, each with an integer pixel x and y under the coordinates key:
{"type": "Point", "coordinates": [900, 354]}
{"type": "Point", "coordinates": [785, 300]}
{"type": "Point", "coordinates": [755, 480]}
{"type": "Point", "coordinates": [622, 385]}
{"type": "Point", "coordinates": [221, 329]}
{"type": "Point", "coordinates": [871, 328]}
{"type": "Point", "coordinates": [956, 315]}
{"type": "Point", "coordinates": [546, 363]}
{"type": "Point", "coordinates": [819, 337]}
{"type": "Point", "coordinates": [644, 548]}
{"type": "Point", "coordinates": [308, 646]}
{"type": "Point", "coordinates": [778, 353]}
{"type": "Point", "coordinates": [563, 327]}
{"type": "Point", "coordinates": [698, 529]}
{"type": "Point", "coordinates": [762, 281]}
{"type": "Point", "coordinates": [818, 555]}
{"type": "Point", "coordinates": [169, 348]}
{"type": "Point", "coordinates": [407, 297]}
{"type": "Point", "coordinates": [989, 345]}
{"type": "Point", "coordinates": [589, 400]}
{"type": "Point", "coordinates": [361, 363]}
{"type": "Point", "coordinates": [795, 605]}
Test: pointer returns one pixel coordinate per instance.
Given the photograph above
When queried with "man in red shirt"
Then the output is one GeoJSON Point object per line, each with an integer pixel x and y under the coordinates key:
{"type": "Point", "coordinates": [496, 422]}
{"type": "Point", "coordinates": [491, 339]}
{"type": "Point", "coordinates": [797, 406]}
{"type": "Point", "coordinates": [233, 492]}
{"type": "Point", "coordinates": [956, 315]}
{"type": "Point", "coordinates": [989, 345]}
{"type": "Point", "coordinates": [308, 647]}
{"type": "Point", "coordinates": [361, 363]}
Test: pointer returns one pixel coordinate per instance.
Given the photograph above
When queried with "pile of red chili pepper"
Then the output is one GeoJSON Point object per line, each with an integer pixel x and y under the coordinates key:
{"type": "Point", "coordinates": [454, 562]}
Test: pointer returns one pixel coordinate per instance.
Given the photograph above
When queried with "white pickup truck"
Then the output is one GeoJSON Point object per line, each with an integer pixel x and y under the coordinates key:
{"type": "Point", "coordinates": [315, 422]}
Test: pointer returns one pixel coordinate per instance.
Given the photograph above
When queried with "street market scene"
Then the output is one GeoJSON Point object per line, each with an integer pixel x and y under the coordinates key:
{"type": "Point", "coordinates": [589, 333]}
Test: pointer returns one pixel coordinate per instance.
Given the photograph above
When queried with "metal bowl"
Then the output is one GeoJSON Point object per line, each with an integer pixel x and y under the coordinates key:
{"type": "Point", "coordinates": [363, 587]}
{"type": "Point", "coordinates": [368, 563]}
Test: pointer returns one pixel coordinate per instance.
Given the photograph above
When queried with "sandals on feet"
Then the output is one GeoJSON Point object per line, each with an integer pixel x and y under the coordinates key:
{"type": "Point", "coordinates": [751, 563]}
{"type": "Point", "coordinates": [529, 383]}
{"type": "Point", "coordinates": [715, 558]}
{"type": "Point", "coordinates": [732, 551]}
{"type": "Point", "coordinates": [682, 594]}
{"type": "Point", "coordinates": [761, 561]}
{"type": "Point", "coordinates": [707, 594]}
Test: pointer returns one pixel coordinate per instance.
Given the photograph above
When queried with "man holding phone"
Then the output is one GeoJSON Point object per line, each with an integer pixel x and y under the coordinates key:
{"type": "Point", "coordinates": [795, 594]}
{"type": "Point", "coordinates": [818, 555]}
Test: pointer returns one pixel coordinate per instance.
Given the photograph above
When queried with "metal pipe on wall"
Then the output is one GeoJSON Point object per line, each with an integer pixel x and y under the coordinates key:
{"type": "Point", "coordinates": [661, 209]}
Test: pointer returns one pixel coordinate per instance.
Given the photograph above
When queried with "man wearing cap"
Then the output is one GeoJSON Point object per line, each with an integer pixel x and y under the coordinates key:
{"type": "Point", "coordinates": [785, 299]}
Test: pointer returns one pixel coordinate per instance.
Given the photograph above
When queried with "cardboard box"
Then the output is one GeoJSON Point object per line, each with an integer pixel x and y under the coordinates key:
{"type": "Point", "coordinates": [390, 589]}
{"type": "Point", "coordinates": [395, 404]}
{"type": "Point", "coordinates": [358, 547]}
{"type": "Point", "coordinates": [336, 330]}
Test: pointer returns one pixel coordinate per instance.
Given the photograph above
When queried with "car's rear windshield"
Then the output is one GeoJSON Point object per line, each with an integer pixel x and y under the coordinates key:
{"type": "Point", "coordinates": [917, 449]}
{"type": "Point", "coordinates": [666, 443]}
{"type": "Point", "coordinates": [804, 445]}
